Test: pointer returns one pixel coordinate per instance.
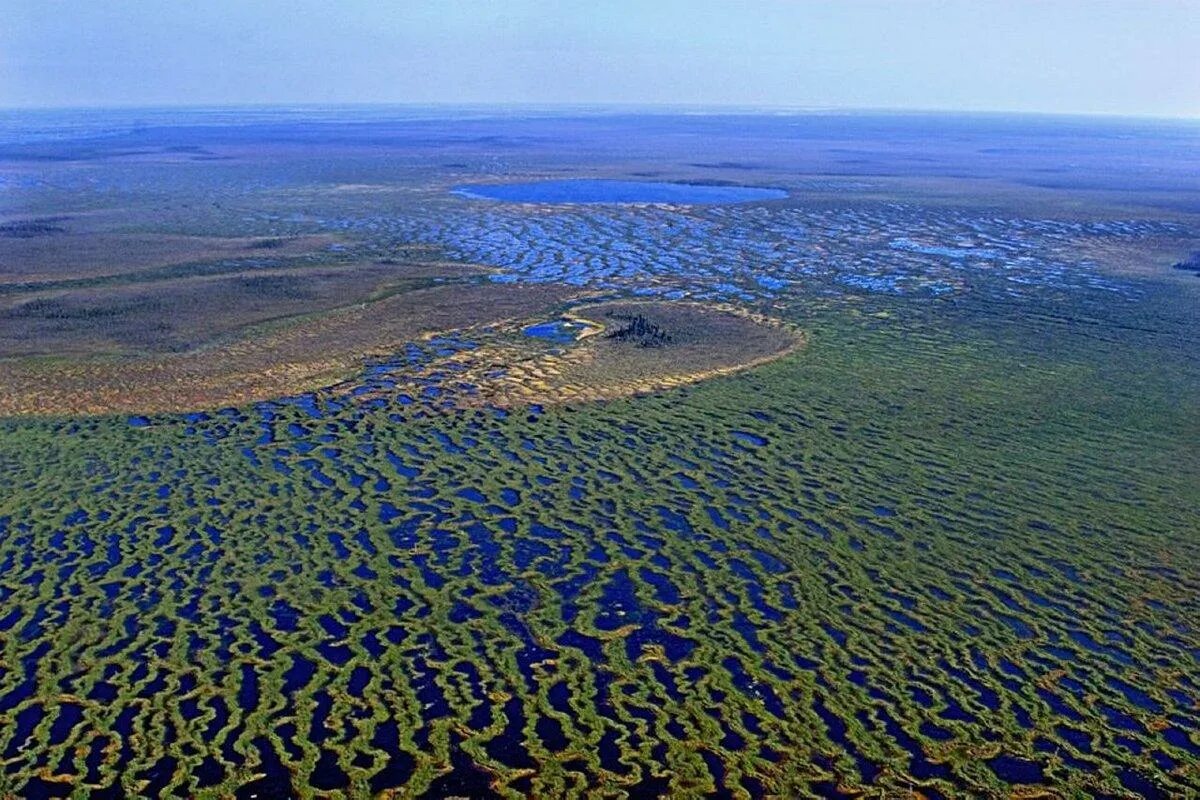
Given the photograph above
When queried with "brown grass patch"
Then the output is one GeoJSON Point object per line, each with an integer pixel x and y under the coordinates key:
{"type": "Point", "coordinates": [297, 357]}
{"type": "Point", "coordinates": [67, 254]}
{"type": "Point", "coordinates": [187, 314]}
{"type": "Point", "coordinates": [701, 342]}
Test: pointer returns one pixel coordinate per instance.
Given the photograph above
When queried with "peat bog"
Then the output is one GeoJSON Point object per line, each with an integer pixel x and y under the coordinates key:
{"type": "Point", "coordinates": [329, 479]}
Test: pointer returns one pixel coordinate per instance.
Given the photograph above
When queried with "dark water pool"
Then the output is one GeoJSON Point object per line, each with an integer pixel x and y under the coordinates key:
{"type": "Point", "coordinates": [561, 331]}
{"type": "Point", "coordinates": [606, 191]}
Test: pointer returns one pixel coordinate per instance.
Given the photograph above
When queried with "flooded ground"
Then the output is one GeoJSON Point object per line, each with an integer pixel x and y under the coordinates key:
{"type": "Point", "coordinates": [917, 518]}
{"type": "Point", "coordinates": [588, 192]}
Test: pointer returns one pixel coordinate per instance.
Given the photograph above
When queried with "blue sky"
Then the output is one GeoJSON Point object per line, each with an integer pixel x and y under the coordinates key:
{"type": "Point", "coordinates": [1138, 57]}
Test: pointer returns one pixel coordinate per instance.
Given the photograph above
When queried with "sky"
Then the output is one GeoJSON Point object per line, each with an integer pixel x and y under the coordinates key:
{"type": "Point", "coordinates": [1130, 57]}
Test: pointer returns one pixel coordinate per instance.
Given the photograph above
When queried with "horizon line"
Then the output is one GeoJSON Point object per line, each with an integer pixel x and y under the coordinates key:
{"type": "Point", "coordinates": [700, 108]}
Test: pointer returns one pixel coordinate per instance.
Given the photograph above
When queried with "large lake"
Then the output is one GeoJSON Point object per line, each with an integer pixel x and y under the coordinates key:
{"type": "Point", "coordinates": [606, 191]}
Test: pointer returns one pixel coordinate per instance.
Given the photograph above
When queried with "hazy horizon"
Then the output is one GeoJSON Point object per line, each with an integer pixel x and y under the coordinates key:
{"type": "Point", "coordinates": [600, 109]}
{"type": "Point", "coordinates": [1065, 57]}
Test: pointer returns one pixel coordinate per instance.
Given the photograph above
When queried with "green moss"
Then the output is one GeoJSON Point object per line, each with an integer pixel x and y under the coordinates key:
{"type": "Point", "coordinates": [990, 524]}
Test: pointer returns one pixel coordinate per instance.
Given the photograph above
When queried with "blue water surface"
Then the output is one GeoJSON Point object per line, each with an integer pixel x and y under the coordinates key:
{"type": "Point", "coordinates": [607, 191]}
{"type": "Point", "coordinates": [561, 331]}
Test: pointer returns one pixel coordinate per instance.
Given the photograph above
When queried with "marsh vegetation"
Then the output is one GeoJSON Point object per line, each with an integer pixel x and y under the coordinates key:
{"type": "Point", "coordinates": [900, 501]}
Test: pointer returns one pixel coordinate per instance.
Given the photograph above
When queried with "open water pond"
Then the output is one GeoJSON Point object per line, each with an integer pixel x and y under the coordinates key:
{"type": "Point", "coordinates": [588, 190]}
{"type": "Point", "coordinates": [562, 331]}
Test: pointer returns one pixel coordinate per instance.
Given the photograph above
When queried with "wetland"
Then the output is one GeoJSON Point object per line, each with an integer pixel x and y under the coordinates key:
{"type": "Point", "coordinates": [589, 191]}
{"type": "Point", "coordinates": [420, 456]}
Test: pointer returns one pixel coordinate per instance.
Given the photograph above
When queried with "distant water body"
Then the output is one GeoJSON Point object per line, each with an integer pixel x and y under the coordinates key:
{"type": "Point", "coordinates": [1049, 152]}
{"type": "Point", "coordinates": [606, 191]}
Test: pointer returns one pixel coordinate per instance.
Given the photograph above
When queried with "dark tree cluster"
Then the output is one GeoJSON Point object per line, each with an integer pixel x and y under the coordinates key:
{"type": "Point", "coordinates": [26, 229]}
{"type": "Point", "coordinates": [1191, 264]}
{"type": "Point", "coordinates": [642, 332]}
{"type": "Point", "coordinates": [268, 244]}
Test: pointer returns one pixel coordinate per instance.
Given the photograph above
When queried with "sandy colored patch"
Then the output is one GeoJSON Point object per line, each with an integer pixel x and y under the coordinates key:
{"type": "Point", "coordinates": [704, 341]}
{"type": "Point", "coordinates": [1145, 258]}
{"type": "Point", "coordinates": [701, 342]}
{"type": "Point", "coordinates": [298, 357]}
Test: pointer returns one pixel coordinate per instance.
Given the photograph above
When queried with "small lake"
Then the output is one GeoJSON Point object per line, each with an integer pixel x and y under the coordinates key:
{"type": "Point", "coordinates": [606, 191]}
{"type": "Point", "coordinates": [560, 331]}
